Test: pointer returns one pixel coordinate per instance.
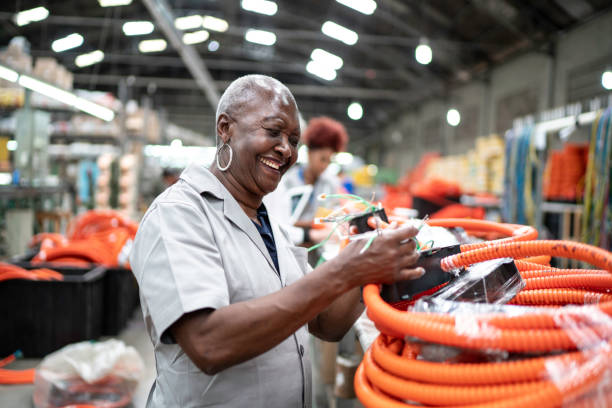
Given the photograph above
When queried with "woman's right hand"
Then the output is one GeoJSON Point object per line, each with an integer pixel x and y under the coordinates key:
{"type": "Point", "coordinates": [391, 257]}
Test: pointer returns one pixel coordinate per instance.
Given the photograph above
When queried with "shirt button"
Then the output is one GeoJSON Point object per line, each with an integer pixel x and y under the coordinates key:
{"type": "Point", "coordinates": [301, 350]}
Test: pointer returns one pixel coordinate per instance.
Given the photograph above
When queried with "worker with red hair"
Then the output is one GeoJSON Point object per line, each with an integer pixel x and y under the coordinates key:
{"type": "Point", "coordinates": [295, 200]}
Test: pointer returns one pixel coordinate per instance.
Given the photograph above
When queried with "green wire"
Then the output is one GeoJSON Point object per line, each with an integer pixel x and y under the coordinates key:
{"type": "Point", "coordinates": [432, 243]}
{"type": "Point", "coordinates": [353, 197]}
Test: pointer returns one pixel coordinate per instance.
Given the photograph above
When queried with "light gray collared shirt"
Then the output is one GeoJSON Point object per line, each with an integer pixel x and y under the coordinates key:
{"type": "Point", "coordinates": [197, 249]}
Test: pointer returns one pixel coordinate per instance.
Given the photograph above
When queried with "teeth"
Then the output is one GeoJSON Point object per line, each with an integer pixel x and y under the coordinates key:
{"type": "Point", "coordinates": [269, 163]}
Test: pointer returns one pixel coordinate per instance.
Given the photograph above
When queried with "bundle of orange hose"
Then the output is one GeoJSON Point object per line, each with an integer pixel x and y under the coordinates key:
{"type": "Point", "coordinates": [15, 376]}
{"type": "Point", "coordinates": [8, 271]}
{"type": "Point", "coordinates": [391, 374]}
{"type": "Point", "coordinates": [512, 231]}
{"type": "Point", "coordinates": [94, 221]}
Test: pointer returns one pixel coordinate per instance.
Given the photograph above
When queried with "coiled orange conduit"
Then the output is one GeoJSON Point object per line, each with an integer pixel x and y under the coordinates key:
{"type": "Point", "coordinates": [389, 374]}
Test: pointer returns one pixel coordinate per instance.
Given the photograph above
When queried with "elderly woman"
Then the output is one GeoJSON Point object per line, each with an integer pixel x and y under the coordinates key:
{"type": "Point", "coordinates": [227, 299]}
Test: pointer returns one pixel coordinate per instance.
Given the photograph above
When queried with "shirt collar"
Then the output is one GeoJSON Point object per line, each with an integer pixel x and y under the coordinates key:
{"type": "Point", "coordinates": [202, 179]}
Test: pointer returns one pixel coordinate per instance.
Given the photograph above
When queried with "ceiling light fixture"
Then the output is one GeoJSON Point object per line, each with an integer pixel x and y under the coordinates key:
{"type": "Point", "coordinates": [8, 74]}
{"type": "Point", "coordinates": [214, 23]}
{"type": "Point", "coordinates": [362, 6]}
{"type": "Point", "coordinates": [29, 16]}
{"type": "Point", "coordinates": [67, 43]}
{"type": "Point", "coordinates": [606, 79]}
{"type": "Point", "coordinates": [196, 37]}
{"type": "Point", "coordinates": [47, 90]}
{"type": "Point", "coordinates": [213, 46]}
{"type": "Point", "coordinates": [266, 7]}
{"type": "Point", "coordinates": [260, 37]}
{"type": "Point", "coordinates": [85, 60]}
{"type": "Point", "coordinates": [94, 109]}
{"type": "Point", "coordinates": [321, 70]}
{"type": "Point", "coordinates": [453, 117]}
{"type": "Point", "coordinates": [138, 28]}
{"type": "Point", "coordinates": [339, 33]}
{"type": "Point", "coordinates": [114, 3]}
{"type": "Point", "coordinates": [152, 45]}
{"type": "Point", "coordinates": [11, 145]}
{"type": "Point", "coordinates": [58, 94]}
{"type": "Point", "coordinates": [355, 111]}
{"type": "Point", "coordinates": [188, 22]}
{"type": "Point", "coordinates": [423, 53]}
{"type": "Point", "coordinates": [326, 58]}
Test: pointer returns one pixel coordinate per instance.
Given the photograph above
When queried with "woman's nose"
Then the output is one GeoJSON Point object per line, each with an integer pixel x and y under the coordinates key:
{"type": "Point", "coordinates": [284, 147]}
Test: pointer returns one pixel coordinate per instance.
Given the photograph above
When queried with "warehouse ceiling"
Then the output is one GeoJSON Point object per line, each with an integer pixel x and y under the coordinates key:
{"type": "Point", "coordinates": [379, 70]}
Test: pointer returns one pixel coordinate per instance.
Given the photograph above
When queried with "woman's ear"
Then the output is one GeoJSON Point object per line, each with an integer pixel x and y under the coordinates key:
{"type": "Point", "coordinates": [224, 128]}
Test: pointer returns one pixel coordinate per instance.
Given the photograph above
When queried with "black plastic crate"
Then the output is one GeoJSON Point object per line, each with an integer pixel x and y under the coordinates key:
{"type": "Point", "coordinates": [43, 316]}
{"type": "Point", "coordinates": [120, 299]}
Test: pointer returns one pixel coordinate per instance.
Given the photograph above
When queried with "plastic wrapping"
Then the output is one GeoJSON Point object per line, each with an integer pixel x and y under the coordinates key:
{"type": "Point", "coordinates": [495, 281]}
{"type": "Point", "coordinates": [103, 374]}
{"type": "Point", "coordinates": [566, 361]}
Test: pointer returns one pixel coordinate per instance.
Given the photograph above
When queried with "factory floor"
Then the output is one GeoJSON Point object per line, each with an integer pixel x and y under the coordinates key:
{"type": "Point", "coordinates": [20, 396]}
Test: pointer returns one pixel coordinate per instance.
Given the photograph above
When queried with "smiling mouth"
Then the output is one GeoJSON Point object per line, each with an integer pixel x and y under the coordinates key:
{"type": "Point", "coordinates": [270, 163]}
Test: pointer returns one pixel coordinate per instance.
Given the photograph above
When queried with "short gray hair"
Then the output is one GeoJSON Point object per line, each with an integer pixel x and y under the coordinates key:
{"type": "Point", "coordinates": [241, 91]}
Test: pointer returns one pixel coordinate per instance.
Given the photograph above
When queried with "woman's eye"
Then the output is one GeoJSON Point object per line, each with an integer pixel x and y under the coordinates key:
{"type": "Point", "coordinates": [274, 132]}
{"type": "Point", "coordinates": [294, 141]}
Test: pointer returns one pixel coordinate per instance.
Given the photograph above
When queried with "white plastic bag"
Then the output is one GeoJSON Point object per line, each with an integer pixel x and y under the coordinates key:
{"type": "Point", "coordinates": [102, 374]}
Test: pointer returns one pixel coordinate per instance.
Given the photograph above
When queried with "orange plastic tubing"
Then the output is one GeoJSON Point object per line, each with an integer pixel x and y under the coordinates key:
{"type": "Point", "coordinates": [515, 232]}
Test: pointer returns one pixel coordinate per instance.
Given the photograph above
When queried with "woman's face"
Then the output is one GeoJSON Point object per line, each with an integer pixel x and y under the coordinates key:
{"type": "Point", "coordinates": [264, 137]}
{"type": "Point", "coordinates": [319, 159]}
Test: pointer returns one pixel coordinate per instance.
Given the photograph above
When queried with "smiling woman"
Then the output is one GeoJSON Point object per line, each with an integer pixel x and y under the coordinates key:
{"type": "Point", "coordinates": [228, 300]}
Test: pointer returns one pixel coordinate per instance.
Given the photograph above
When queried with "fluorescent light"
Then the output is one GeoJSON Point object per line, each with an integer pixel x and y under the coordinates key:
{"type": "Point", "coordinates": [152, 45]}
{"type": "Point", "coordinates": [355, 111]}
{"type": "Point", "coordinates": [606, 80]}
{"type": "Point", "coordinates": [66, 97]}
{"type": "Point", "coordinates": [362, 6]}
{"type": "Point", "coordinates": [339, 32]}
{"type": "Point", "coordinates": [188, 22]}
{"type": "Point", "coordinates": [94, 109]}
{"type": "Point", "coordinates": [326, 58]}
{"type": "Point", "coordinates": [90, 58]}
{"type": "Point", "coordinates": [11, 145]}
{"type": "Point", "coordinates": [213, 46]}
{"type": "Point", "coordinates": [8, 74]}
{"type": "Point", "coordinates": [114, 3]}
{"type": "Point", "coordinates": [29, 16]}
{"type": "Point", "coordinates": [423, 53]}
{"type": "Point", "coordinates": [214, 23]}
{"type": "Point", "coordinates": [260, 37]}
{"type": "Point", "coordinates": [47, 90]}
{"type": "Point", "coordinates": [70, 41]}
{"type": "Point", "coordinates": [196, 37]}
{"type": "Point", "coordinates": [321, 70]}
{"type": "Point", "coordinates": [266, 7]}
{"type": "Point", "coordinates": [453, 117]}
{"type": "Point", "coordinates": [138, 27]}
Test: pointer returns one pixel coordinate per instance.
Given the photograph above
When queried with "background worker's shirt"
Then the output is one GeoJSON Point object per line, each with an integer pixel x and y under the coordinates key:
{"type": "Point", "coordinates": [197, 249]}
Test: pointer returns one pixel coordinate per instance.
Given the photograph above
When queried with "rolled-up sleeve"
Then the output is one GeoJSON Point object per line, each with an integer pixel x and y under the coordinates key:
{"type": "Point", "coordinates": [177, 264]}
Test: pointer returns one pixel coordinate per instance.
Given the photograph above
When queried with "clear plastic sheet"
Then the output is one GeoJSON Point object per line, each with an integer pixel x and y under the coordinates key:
{"type": "Point", "coordinates": [496, 281]}
{"type": "Point", "coordinates": [580, 371]}
{"type": "Point", "coordinates": [102, 374]}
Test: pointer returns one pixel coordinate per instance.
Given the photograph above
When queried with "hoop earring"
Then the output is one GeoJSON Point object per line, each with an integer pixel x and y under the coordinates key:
{"type": "Point", "coordinates": [231, 154]}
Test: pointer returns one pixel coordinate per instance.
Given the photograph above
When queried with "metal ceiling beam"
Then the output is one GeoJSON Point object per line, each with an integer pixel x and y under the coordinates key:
{"type": "Point", "coordinates": [162, 13]}
{"type": "Point", "coordinates": [225, 64]}
{"type": "Point", "coordinates": [296, 89]}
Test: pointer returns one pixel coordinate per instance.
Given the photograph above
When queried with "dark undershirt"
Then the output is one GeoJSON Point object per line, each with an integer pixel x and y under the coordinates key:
{"type": "Point", "coordinates": [265, 230]}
